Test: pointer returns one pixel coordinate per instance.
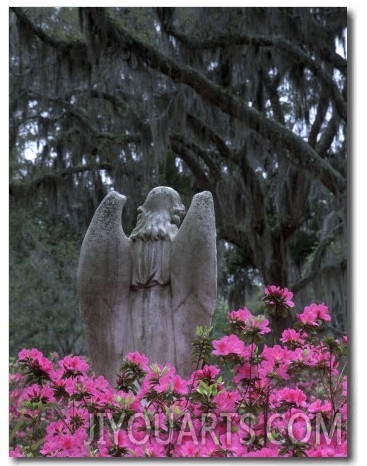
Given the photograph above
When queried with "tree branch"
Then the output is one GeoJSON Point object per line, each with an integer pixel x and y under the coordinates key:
{"type": "Point", "coordinates": [65, 46]}
{"type": "Point", "coordinates": [335, 59]}
{"type": "Point", "coordinates": [319, 119]}
{"type": "Point", "coordinates": [186, 155]}
{"type": "Point", "coordinates": [316, 273]}
{"type": "Point", "coordinates": [116, 102]}
{"type": "Point", "coordinates": [228, 39]}
{"type": "Point", "coordinates": [314, 269]}
{"type": "Point", "coordinates": [72, 111]}
{"type": "Point", "coordinates": [185, 151]}
{"type": "Point", "coordinates": [303, 155]}
{"type": "Point", "coordinates": [250, 178]}
{"type": "Point", "coordinates": [211, 135]}
{"type": "Point", "coordinates": [20, 188]}
{"type": "Point", "coordinates": [328, 136]}
{"type": "Point", "coordinates": [215, 173]}
{"type": "Point", "coordinates": [273, 94]}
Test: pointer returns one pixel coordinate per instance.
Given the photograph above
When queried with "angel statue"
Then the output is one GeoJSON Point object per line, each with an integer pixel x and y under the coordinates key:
{"type": "Point", "coordinates": [148, 292]}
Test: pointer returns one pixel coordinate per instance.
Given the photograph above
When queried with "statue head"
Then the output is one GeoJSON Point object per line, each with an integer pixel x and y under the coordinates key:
{"type": "Point", "coordinates": [160, 215]}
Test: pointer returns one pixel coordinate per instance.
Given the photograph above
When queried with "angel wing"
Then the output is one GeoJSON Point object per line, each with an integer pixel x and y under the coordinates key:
{"type": "Point", "coordinates": [103, 283]}
{"type": "Point", "coordinates": [193, 276]}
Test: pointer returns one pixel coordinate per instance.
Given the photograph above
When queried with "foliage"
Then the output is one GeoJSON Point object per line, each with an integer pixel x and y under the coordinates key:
{"type": "Point", "coordinates": [285, 400]}
{"type": "Point", "coordinates": [43, 263]}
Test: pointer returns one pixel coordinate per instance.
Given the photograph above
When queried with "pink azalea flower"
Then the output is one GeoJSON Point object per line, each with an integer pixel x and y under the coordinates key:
{"type": "Point", "coordinates": [56, 428]}
{"type": "Point", "coordinates": [243, 372]}
{"type": "Point", "coordinates": [239, 316]}
{"type": "Point", "coordinates": [153, 449]}
{"type": "Point", "coordinates": [249, 322]}
{"type": "Point", "coordinates": [164, 384]}
{"type": "Point", "coordinates": [321, 357]}
{"type": "Point", "coordinates": [86, 386]}
{"type": "Point", "coordinates": [314, 312]}
{"type": "Point", "coordinates": [303, 355]}
{"type": "Point", "coordinates": [74, 364]}
{"type": "Point", "coordinates": [233, 443]}
{"type": "Point", "coordinates": [226, 401]}
{"type": "Point", "coordinates": [62, 387]}
{"type": "Point", "coordinates": [79, 414]}
{"type": "Point", "coordinates": [270, 369]}
{"type": "Point", "coordinates": [179, 385]}
{"type": "Point", "coordinates": [263, 453]}
{"type": "Point", "coordinates": [171, 383]}
{"type": "Point", "coordinates": [29, 355]}
{"type": "Point", "coordinates": [322, 312]}
{"type": "Point", "coordinates": [290, 335]}
{"type": "Point", "coordinates": [187, 449]}
{"type": "Point", "coordinates": [258, 324]}
{"type": "Point", "coordinates": [139, 359]}
{"type": "Point", "coordinates": [320, 452]}
{"type": "Point", "coordinates": [292, 395]}
{"type": "Point", "coordinates": [35, 359]}
{"type": "Point", "coordinates": [103, 398]}
{"type": "Point", "coordinates": [277, 354]}
{"type": "Point", "coordinates": [230, 344]}
{"type": "Point", "coordinates": [211, 448]}
{"type": "Point", "coordinates": [206, 373]}
{"type": "Point", "coordinates": [17, 453]}
{"type": "Point", "coordinates": [308, 317]}
{"type": "Point", "coordinates": [80, 394]}
{"type": "Point", "coordinates": [298, 429]}
{"type": "Point", "coordinates": [66, 445]}
{"type": "Point", "coordinates": [319, 407]}
{"type": "Point", "coordinates": [326, 451]}
{"type": "Point", "coordinates": [123, 439]}
{"type": "Point", "coordinates": [276, 295]}
{"type": "Point", "coordinates": [37, 393]}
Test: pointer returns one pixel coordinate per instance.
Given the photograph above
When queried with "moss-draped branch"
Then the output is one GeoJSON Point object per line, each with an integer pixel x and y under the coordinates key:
{"type": "Point", "coordinates": [297, 151]}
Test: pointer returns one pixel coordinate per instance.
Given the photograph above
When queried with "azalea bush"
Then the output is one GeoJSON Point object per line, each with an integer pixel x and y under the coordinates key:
{"type": "Point", "coordinates": [247, 397]}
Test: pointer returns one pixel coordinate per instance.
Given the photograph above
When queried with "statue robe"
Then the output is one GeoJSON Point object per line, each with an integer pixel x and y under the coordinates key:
{"type": "Point", "coordinates": [150, 317]}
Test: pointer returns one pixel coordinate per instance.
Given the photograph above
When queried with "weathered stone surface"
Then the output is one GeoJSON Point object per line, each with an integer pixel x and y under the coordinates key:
{"type": "Point", "coordinates": [104, 276]}
{"type": "Point", "coordinates": [193, 276]}
{"type": "Point", "coordinates": [147, 293]}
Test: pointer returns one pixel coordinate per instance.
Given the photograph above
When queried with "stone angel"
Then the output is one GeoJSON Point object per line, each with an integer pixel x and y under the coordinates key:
{"type": "Point", "coordinates": [148, 292]}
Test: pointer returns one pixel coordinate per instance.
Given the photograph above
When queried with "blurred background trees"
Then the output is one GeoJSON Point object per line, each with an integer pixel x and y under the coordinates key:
{"type": "Point", "coordinates": [248, 103]}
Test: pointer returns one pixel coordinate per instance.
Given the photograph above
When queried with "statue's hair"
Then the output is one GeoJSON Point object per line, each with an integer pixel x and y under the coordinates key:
{"type": "Point", "coordinates": [159, 216]}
